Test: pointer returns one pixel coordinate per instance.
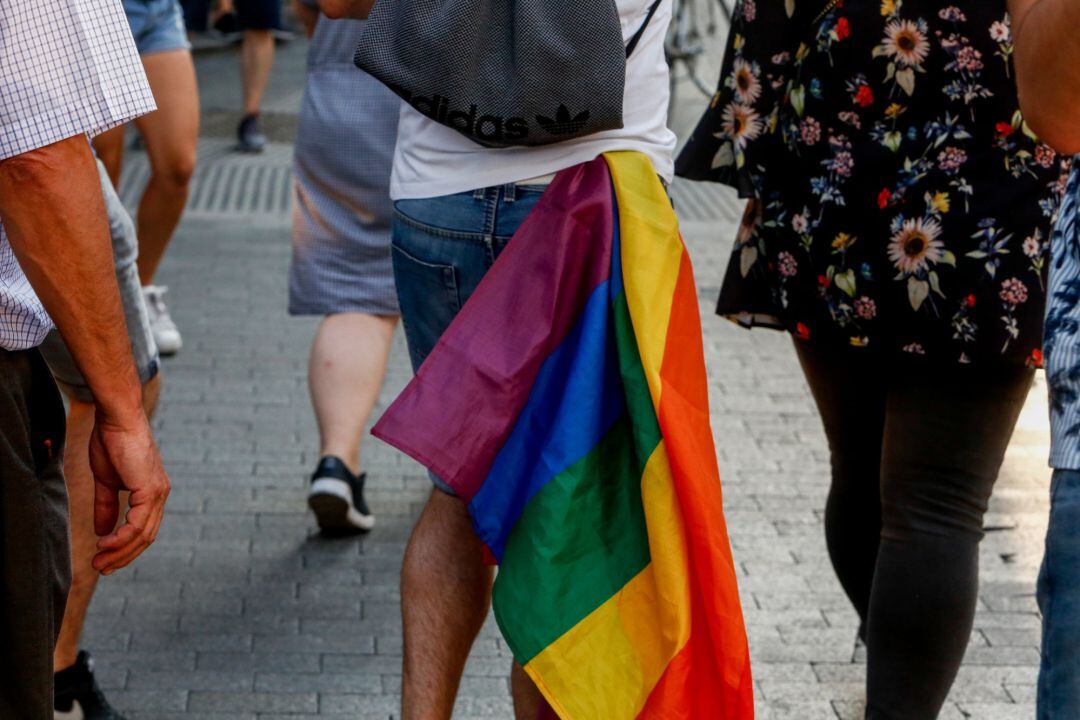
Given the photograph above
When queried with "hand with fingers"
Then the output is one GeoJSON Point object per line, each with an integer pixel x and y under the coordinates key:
{"type": "Point", "coordinates": [123, 457]}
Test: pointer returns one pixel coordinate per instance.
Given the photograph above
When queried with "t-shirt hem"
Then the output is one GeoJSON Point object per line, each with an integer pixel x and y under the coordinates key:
{"type": "Point", "coordinates": [515, 172]}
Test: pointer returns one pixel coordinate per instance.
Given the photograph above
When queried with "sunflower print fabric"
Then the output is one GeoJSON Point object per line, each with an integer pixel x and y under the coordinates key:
{"type": "Point", "coordinates": [898, 199]}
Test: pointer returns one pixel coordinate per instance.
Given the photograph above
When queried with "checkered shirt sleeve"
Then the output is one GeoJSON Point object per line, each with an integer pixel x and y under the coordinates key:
{"type": "Point", "coordinates": [67, 68]}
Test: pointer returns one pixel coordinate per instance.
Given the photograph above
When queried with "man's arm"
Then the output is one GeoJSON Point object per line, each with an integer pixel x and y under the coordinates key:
{"type": "Point", "coordinates": [54, 214]}
{"type": "Point", "coordinates": [337, 9]}
{"type": "Point", "coordinates": [1047, 58]}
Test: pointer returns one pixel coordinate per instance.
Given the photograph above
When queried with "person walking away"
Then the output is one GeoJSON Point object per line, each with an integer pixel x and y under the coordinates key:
{"type": "Point", "coordinates": [1047, 52]}
{"type": "Point", "coordinates": [170, 135]}
{"type": "Point", "coordinates": [257, 20]}
{"type": "Point", "coordinates": [53, 92]}
{"type": "Point", "coordinates": [74, 682]}
{"type": "Point", "coordinates": [456, 206]}
{"type": "Point", "coordinates": [897, 227]}
{"type": "Point", "coordinates": [341, 267]}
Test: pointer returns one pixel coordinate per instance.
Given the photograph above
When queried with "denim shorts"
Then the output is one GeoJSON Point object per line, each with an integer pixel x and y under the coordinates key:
{"type": "Point", "coordinates": [1059, 600]}
{"type": "Point", "coordinates": [157, 25]}
{"type": "Point", "coordinates": [442, 247]}
{"type": "Point", "coordinates": [143, 347]}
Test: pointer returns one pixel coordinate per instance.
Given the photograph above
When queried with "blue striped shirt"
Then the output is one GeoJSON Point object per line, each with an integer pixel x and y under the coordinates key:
{"type": "Point", "coordinates": [1062, 334]}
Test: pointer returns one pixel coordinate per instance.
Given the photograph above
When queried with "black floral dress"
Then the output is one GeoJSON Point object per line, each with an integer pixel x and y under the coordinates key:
{"type": "Point", "coordinates": [900, 201]}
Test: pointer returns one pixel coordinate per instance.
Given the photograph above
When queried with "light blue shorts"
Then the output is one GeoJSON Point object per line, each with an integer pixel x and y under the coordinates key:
{"type": "Point", "coordinates": [157, 25]}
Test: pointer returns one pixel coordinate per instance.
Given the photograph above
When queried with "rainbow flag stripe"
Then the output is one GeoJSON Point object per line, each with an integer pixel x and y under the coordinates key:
{"type": "Point", "coordinates": [567, 405]}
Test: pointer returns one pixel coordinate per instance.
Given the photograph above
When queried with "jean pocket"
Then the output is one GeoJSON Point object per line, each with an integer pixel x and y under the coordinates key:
{"type": "Point", "coordinates": [429, 297]}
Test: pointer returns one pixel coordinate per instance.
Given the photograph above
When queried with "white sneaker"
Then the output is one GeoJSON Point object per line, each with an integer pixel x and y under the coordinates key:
{"type": "Point", "coordinates": [166, 335]}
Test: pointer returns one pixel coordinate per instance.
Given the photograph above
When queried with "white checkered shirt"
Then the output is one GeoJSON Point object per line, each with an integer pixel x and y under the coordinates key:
{"type": "Point", "coordinates": [67, 68]}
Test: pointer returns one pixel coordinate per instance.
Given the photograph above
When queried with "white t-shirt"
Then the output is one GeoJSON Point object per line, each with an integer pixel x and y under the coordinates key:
{"type": "Point", "coordinates": [432, 160]}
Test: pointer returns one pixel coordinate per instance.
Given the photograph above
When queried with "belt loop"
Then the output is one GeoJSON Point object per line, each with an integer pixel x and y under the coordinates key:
{"type": "Point", "coordinates": [510, 192]}
{"type": "Point", "coordinates": [479, 193]}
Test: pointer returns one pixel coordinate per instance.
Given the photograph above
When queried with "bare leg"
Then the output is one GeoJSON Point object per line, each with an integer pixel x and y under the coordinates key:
{"type": "Point", "coordinates": [171, 135]}
{"type": "Point", "coordinates": [80, 485]}
{"type": "Point", "coordinates": [345, 375]}
{"type": "Point", "coordinates": [256, 60]}
{"type": "Point", "coordinates": [445, 596]}
{"type": "Point", "coordinates": [527, 699]}
{"type": "Point", "coordinates": [109, 147]}
{"type": "Point", "coordinates": [224, 7]}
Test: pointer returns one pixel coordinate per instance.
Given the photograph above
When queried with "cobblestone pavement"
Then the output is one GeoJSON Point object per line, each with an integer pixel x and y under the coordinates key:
{"type": "Point", "coordinates": [241, 611]}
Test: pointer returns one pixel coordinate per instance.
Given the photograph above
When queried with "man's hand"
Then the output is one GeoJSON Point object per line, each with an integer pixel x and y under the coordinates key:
{"type": "Point", "coordinates": [125, 458]}
{"type": "Point", "coordinates": [355, 9]}
{"type": "Point", "coordinates": [54, 215]}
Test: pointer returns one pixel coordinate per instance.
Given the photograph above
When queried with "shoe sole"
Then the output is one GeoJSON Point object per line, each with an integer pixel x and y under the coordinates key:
{"type": "Point", "coordinates": [168, 348]}
{"type": "Point", "coordinates": [331, 501]}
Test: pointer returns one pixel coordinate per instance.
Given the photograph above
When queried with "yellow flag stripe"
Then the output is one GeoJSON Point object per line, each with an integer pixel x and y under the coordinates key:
{"type": "Point", "coordinates": [606, 665]}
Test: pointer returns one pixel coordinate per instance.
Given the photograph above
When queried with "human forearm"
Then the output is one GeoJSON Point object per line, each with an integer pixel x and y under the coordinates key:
{"type": "Point", "coordinates": [356, 9]}
{"type": "Point", "coordinates": [52, 209]}
{"type": "Point", "coordinates": [1047, 58]}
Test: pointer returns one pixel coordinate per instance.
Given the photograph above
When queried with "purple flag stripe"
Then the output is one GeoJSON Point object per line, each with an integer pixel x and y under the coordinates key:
{"type": "Point", "coordinates": [456, 422]}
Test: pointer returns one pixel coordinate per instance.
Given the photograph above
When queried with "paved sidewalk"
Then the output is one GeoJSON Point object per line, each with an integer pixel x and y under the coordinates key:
{"type": "Point", "coordinates": [241, 611]}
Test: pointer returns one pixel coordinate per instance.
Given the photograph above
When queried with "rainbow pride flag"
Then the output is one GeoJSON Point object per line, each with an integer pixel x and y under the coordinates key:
{"type": "Point", "coordinates": [567, 405]}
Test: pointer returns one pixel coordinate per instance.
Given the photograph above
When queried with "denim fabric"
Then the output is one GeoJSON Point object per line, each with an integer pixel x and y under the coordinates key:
{"type": "Point", "coordinates": [1059, 600]}
{"type": "Point", "coordinates": [442, 247]}
{"type": "Point", "coordinates": [157, 25]}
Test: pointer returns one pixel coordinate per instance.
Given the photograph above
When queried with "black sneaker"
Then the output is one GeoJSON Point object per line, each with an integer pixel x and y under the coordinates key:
{"type": "Point", "coordinates": [228, 24]}
{"type": "Point", "coordinates": [337, 499]}
{"type": "Point", "coordinates": [77, 695]}
{"type": "Point", "coordinates": [250, 137]}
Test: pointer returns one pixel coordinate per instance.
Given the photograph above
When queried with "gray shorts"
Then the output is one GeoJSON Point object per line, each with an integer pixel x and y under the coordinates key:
{"type": "Point", "coordinates": [125, 251]}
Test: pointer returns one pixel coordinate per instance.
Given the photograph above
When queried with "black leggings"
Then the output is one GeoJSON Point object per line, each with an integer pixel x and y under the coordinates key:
{"type": "Point", "coordinates": [915, 451]}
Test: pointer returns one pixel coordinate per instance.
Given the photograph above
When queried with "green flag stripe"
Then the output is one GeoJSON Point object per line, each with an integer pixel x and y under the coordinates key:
{"type": "Point", "coordinates": [583, 536]}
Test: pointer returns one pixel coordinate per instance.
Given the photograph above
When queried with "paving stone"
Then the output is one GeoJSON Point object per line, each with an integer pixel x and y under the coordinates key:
{"type": "Point", "coordinates": [265, 662]}
{"type": "Point", "coordinates": [357, 682]}
{"type": "Point", "coordinates": [253, 701]}
{"type": "Point", "coordinates": [231, 681]}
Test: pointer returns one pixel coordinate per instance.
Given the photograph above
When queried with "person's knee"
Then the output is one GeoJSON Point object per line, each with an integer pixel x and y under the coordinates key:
{"type": "Point", "coordinates": [177, 168]}
{"type": "Point", "coordinates": [910, 509]}
{"type": "Point", "coordinates": [259, 36]}
{"type": "Point", "coordinates": [443, 534]}
{"type": "Point", "coordinates": [448, 512]}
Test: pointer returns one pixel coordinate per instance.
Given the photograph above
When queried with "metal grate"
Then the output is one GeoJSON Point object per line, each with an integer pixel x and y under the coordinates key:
{"type": "Point", "coordinates": [227, 184]}
{"type": "Point", "coordinates": [224, 184]}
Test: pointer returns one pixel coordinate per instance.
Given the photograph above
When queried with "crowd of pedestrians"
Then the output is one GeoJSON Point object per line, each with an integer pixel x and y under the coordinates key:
{"type": "Point", "coordinates": [911, 222]}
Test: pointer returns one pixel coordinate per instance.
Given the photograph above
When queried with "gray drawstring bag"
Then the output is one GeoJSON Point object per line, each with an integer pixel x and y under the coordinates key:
{"type": "Point", "coordinates": [503, 72]}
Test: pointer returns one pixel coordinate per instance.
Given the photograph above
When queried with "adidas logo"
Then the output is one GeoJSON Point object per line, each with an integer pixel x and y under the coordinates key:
{"type": "Point", "coordinates": [564, 123]}
{"type": "Point", "coordinates": [489, 128]}
{"type": "Point", "coordinates": [492, 128]}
